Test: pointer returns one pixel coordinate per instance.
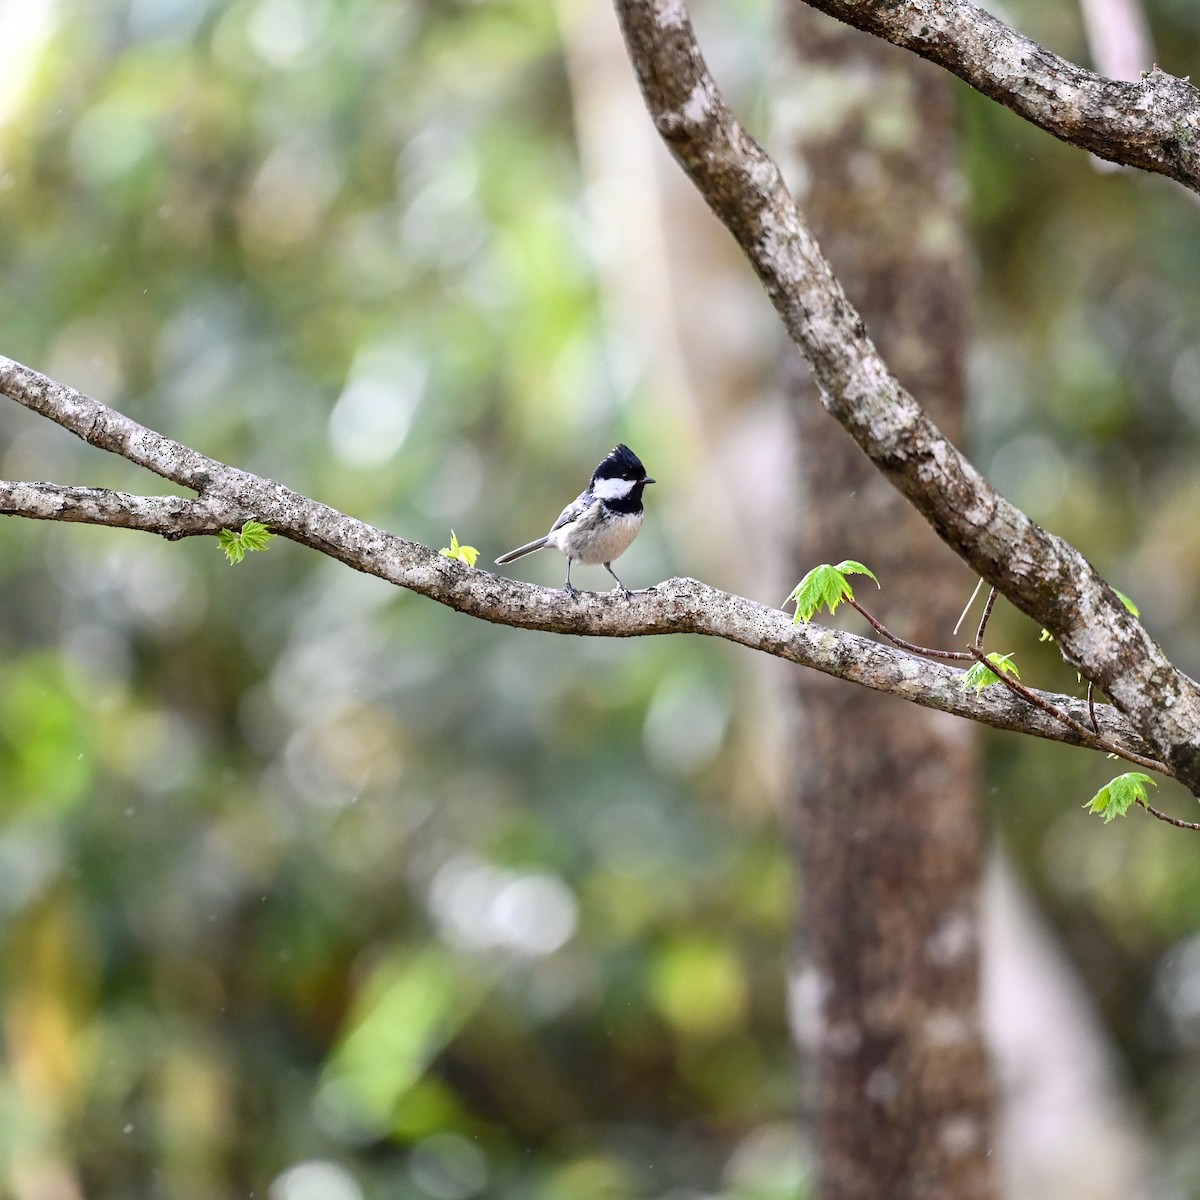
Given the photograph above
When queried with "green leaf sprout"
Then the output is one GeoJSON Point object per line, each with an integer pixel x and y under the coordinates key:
{"type": "Point", "coordinates": [252, 536]}
{"type": "Point", "coordinates": [827, 587]}
{"type": "Point", "coordinates": [1129, 604]}
{"type": "Point", "coordinates": [464, 554]}
{"type": "Point", "coordinates": [1116, 797]}
{"type": "Point", "coordinates": [981, 675]}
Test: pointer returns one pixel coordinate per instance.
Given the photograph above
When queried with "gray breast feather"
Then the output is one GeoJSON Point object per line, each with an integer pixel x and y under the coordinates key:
{"type": "Point", "coordinates": [589, 533]}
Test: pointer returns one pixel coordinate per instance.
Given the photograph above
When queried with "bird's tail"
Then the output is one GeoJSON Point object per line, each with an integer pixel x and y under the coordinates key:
{"type": "Point", "coordinates": [521, 551]}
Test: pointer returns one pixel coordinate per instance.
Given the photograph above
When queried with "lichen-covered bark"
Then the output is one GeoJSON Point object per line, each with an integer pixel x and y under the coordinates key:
{"type": "Point", "coordinates": [1041, 574]}
{"type": "Point", "coordinates": [1153, 123]}
{"type": "Point", "coordinates": [887, 819]}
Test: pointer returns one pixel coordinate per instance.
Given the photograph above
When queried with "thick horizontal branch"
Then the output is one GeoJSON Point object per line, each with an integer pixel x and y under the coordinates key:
{"type": "Point", "coordinates": [171, 516]}
{"type": "Point", "coordinates": [1041, 574]}
{"type": "Point", "coordinates": [677, 606]}
{"type": "Point", "coordinates": [1153, 123]}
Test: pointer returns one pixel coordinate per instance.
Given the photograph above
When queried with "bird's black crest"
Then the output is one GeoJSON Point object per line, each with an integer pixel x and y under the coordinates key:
{"type": "Point", "coordinates": [621, 463]}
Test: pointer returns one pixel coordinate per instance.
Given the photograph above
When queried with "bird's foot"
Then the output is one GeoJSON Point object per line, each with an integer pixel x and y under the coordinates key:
{"type": "Point", "coordinates": [570, 590]}
{"type": "Point", "coordinates": [625, 592]}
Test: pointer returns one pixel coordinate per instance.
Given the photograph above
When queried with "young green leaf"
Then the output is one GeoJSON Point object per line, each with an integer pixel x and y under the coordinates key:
{"type": "Point", "coordinates": [981, 676]}
{"type": "Point", "coordinates": [231, 543]}
{"type": "Point", "coordinates": [1116, 797]}
{"type": "Point", "coordinates": [1129, 604]}
{"type": "Point", "coordinates": [464, 554]}
{"type": "Point", "coordinates": [251, 536]}
{"type": "Point", "coordinates": [825, 587]}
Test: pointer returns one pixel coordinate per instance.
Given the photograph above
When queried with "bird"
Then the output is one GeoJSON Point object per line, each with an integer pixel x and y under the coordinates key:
{"type": "Point", "coordinates": [601, 522]}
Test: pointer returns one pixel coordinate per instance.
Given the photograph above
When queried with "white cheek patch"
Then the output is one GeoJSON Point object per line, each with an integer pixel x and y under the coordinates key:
{"type": "Point", "coordinates": [612, 489]}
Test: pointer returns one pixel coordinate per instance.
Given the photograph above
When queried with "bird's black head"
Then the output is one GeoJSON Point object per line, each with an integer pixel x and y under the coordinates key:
{"type": "Point", "coordinates": [619, 480]}
{"type": "Point", "coordinates": [622, 463]}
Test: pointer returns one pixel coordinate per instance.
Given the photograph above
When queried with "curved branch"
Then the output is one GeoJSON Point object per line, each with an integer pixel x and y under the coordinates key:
{"type": "Point", "coordinates": [107, 429]}
{"type": "Point", "coordinates": [1153, 123]}
{"type": "Point", "coordinates": [230, 496]}
{"type": "Point", "coordinates": [173, 517]}
{"type": "Point", "coordinates": [1170, 820]}
{"type": "Point", "coordinates": [1041, 574]}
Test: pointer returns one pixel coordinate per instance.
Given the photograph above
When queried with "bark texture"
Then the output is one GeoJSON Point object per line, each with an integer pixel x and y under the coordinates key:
{"type": "Point", "coordinates": [887, 815]}
{"type": "Point", "coordinates": [1152, 122]}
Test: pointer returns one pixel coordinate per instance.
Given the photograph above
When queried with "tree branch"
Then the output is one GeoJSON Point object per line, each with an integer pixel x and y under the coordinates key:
{"type": "Point", "coordinates": [1153, 123]}
{"type": "Point", "coordinates": [173, 517]}
{"type": "Point", "coordinates": [989, 604]}
{"type": "Point", "coordinates": [1040, 701]}
{"type": "Point", "coordinates": [1041, 574]}
{"type": "Point", "coordinates": [230, 496]}
{"type": "Point", "coordinates": [1170, 820]}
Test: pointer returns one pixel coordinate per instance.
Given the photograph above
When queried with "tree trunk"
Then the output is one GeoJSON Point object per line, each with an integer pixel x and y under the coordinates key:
{"type": "Point", "coordinates": [886, 805]}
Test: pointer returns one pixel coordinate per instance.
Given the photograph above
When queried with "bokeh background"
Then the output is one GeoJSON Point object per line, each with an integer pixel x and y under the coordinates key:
{"type": "Point", "coordinates": [309, 888]}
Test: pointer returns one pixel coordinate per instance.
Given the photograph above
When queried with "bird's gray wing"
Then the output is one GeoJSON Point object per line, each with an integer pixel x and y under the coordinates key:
{"type": "Point", "coordinates": [573, 511]}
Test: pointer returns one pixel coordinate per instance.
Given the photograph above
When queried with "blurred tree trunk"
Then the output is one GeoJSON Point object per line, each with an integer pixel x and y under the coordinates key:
{"type": "Point", "coordinates": [886, 806]}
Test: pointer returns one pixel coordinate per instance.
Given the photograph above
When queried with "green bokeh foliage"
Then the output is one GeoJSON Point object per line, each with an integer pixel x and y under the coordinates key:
{"type": "Point", "coordinates": [284, 855]}
{"type": "Point", "coordinates": [297, 873]}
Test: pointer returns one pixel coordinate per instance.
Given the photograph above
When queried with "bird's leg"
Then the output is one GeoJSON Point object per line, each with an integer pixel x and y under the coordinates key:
{"type": "Point", "coordinates": [571, 591]}
{"type": "Point", "coordinates": [624, 590]}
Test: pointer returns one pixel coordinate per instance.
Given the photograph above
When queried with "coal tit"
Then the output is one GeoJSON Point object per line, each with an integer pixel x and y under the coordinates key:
{"type": "Point", "coordinates": [599, 525]}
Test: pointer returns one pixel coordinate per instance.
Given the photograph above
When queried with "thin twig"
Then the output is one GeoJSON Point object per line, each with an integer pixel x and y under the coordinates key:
{"type": "Point", "coordinates": [1170, 820]}
{"type": "Point", "coordinates": [987, 612]}
{"type": "Point", "coordinates": [911, 647]}
{"type": "Point", "coordinates": [1092, 739]}
{"type": "Point", "coordinates": [1091, 701]}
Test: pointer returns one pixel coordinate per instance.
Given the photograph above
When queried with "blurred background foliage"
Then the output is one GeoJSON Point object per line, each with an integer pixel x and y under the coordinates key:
{"type": "Point", "coordinates": [313, 889]}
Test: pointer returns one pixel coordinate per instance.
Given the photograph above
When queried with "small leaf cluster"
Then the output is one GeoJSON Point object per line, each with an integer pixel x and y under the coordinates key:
{"type": "Point", "coordinates": [981, 675]}
{"type": "Point", "coordinates": [825, 587]}
{"type": "Point", "coordinates": [251, 536]}
{"type": "Point", "coordinates": [464, 554]}
{"type": "Point", "coordinates": [1118, 795]}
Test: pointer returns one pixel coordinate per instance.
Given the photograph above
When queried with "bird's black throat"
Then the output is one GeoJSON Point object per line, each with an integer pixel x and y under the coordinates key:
{"type": "Point", "coordinates": [629, 503]}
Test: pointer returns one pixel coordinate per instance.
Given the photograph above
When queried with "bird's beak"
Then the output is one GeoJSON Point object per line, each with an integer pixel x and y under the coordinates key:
{"type": "Point", "coordinates": [649, 480]}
